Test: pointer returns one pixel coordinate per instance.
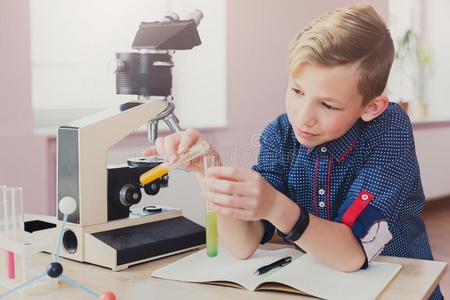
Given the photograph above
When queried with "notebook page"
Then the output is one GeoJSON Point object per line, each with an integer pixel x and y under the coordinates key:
{"type": "Point", "coordinates": [312, 277]}
{"type": "Point", "coordinates": [198, 267]}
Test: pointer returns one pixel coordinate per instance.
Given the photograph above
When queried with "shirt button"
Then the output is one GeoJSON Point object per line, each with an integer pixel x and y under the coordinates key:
{"type": "Point", "coordinates": [321, 191]}
{"type": "Point", "coordinates": [364, 197]}
{"type": "Point", "coordinates": [323, 149]}
{"type": "Point", "coordinates": [322, 204]}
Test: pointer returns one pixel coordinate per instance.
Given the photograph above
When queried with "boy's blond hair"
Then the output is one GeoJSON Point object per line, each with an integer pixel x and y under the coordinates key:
{"type": "Point", "coordinates": [356, 34]}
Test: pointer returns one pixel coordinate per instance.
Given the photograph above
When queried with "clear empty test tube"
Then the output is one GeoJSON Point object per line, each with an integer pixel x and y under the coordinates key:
{"type": "Point", "coordinates": [3, 265]}
{"type": "Point", "coordinates": [2, 211]}
{"type": "Point", "coordinates": [182, 160]}
{"type": "Point", "coordinates": [210, 160]}
{"type": "Point", "coordinates": [17, 219]}
{"type": "Point", "coordinates": [3, 252]}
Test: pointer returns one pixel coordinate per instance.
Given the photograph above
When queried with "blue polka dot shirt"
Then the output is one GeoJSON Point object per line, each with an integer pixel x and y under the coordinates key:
{"type": "Point", "coordinates": [369, 174]}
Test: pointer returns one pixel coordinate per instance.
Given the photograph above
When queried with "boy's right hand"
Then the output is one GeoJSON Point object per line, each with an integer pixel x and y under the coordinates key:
{"type": "Point", "coordinates": [172, 146]}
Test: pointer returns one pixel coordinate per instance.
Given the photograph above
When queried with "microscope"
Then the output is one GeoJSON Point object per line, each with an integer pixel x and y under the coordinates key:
{"type": "Point", "coordinates": [105, 230]}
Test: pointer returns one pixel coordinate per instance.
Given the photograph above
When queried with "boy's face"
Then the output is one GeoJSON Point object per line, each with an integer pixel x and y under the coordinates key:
{"type": "Point", "coordinates": [322, 102]}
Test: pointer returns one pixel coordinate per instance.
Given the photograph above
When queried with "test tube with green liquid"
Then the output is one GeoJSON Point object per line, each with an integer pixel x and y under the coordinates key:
{"type": "Point", "coordinates": [210, 160]}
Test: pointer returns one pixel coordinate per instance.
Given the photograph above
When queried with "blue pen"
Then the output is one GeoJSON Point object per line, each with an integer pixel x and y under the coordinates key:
{"type": "Point", "coordinates": [278, 264]}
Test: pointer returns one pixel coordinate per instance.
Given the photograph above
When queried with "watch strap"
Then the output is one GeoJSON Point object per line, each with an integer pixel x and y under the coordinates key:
{"type": "Point", "coordinates": [298, 229]}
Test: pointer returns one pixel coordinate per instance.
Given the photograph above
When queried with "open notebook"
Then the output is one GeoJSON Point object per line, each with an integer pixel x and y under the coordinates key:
{"type": "Point", "coordinates": [304, 275]}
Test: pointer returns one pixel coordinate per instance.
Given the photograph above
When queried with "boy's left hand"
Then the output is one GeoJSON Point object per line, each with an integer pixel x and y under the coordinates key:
{"type": "Point", "coordinates": [239, 193]}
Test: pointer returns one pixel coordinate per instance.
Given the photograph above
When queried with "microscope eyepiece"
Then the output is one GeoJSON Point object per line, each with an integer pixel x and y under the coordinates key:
{"type": "Point", "coordinates": [148, 72]}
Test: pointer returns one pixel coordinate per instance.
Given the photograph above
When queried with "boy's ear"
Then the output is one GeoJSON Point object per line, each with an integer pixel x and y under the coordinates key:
{"type": "Point", "coordinates": [374, 108]}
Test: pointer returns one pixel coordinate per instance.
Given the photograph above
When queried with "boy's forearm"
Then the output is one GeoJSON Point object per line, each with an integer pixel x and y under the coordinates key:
{"type": "Point", "coordinates": [240, 237]}
{"type": "Point", "coordinates": [331, 242]}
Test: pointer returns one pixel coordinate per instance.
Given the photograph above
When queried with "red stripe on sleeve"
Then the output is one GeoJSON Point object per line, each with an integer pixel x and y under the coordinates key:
{"type": "Point", "coordinates": [356, 208]}
{"type": "Point", "coordinates": [316, 210]}
{"type": "Point", "coordinates": [329, 185]}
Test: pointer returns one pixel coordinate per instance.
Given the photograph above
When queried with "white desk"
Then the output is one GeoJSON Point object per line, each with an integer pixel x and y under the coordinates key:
{"type": "Point", "coordinates": [416, 280]}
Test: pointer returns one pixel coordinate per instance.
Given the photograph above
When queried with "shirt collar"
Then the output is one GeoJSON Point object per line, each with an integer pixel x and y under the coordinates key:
{"type": "Point", "coordinates": [341, 147]}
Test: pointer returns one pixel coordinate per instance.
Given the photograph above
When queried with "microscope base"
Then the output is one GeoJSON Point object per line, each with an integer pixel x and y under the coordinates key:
{"type": "Point", "coordinates": [120, 248]}
{"type": "Point", "coordinates": [136, 242]}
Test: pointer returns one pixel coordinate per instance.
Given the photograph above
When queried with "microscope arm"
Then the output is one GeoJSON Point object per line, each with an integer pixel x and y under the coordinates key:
{"type": "Point", "coordinates": [82, 156]}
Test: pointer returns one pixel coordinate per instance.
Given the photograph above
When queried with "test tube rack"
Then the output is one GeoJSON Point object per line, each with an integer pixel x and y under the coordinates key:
{"type": "Point", "coordinates": [55, 270]}
{"type": "Point", "coordinates": [24, 252]}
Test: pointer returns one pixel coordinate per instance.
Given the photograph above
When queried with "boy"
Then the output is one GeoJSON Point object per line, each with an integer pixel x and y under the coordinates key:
{"type": "Point", "coordinates": [337, 174]}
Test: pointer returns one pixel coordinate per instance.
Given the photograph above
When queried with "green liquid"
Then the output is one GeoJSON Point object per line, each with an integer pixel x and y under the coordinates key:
{"type": "Point", "coordinates": [211, 233]}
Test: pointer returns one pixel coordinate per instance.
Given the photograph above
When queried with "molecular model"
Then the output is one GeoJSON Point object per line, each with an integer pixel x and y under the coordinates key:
{"type": "Point", "coordinates": [66, 206]}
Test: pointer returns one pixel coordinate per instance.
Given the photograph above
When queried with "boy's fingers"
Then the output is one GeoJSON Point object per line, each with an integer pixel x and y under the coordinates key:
{"type": "Point", "coordinates": [171, 146]}
{"type": "Point", "coordinates": [226, 186]}
{"type": "Point", "coordinates": [150, 151]}
{"type": "Point", "coordinates": [187, 140]}
{"type": "Point", "coordinates": [237, 213]}
{"type": "Point", "coordinates": [224, 200]}
{"type": "Point", "coordinates": [230, 173]}
{"type": "Point", "coordinates": [159, 143]}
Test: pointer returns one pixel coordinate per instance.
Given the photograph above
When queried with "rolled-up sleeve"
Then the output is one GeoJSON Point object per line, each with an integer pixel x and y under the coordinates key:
{"type": "Point", "coordinates": [381, 188]}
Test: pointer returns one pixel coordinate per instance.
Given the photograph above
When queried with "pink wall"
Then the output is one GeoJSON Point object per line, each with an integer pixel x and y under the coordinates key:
{"type": "Point", "coordinates": [23, 156]}
{"type": "Point", "coordinates": [258, 36]}
{"type": "Point", "coordinates": [15, 112]}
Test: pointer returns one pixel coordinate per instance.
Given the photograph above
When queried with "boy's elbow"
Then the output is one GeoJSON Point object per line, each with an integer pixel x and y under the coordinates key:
{"type": "Point", "coordinates": [239, 250]}
{"type": "Point", "coordinates": [242, 253]}
{"type": "Point", "coordinates": [353, 264]}
{"type": "Point", "coordinates": [242, 256]}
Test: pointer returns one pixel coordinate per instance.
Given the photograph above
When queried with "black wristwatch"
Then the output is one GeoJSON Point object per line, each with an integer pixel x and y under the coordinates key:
{"type": "Point", "coordinates": [298, 229]}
